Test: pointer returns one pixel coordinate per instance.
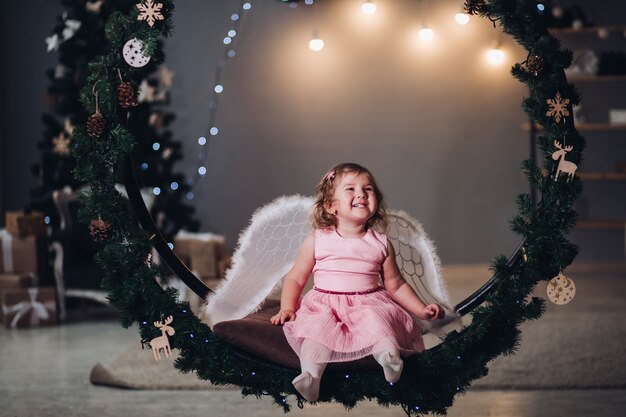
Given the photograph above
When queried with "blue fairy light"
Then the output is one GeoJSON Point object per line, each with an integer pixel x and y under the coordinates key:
{"type": "Point", "coordinates": [189, 196]}
{"type": "Point", "coordinates": [145, 322]}
{"type": "Point", "coordinates": [231, 53]}
{"type": "Point", "coordinates": [234, 17]}
{"type": "Point", "coordinates": [219, 88]}
{"type": "Point", "coordinates": [156, 146]}
{"type": "Point", "coordinates": [46, 219]}
{"type": "Point", "coordinates": [202, 171]}
{"type": "Point", "coordinates": [214, 131]}
{"type": "Point", "coordinates": [247, 6]}
{"type": "Point", "coordinates": [227, 40]}
{"type": "Point", "coordinates": [174, 185]}
{"type": "Point", "coordinates": [156, 191]}
{"type": "Point", "coordinates": [201, 140]}
{"type": "Point", "coordinates": [191, 335]}
{"type": "Point", "coordinates": [347, 376]}
{"type": "Point", "coordinates": [185, 311]}
{"type": "Point", "coordinates": [171, 245]}
{"type": "Point", "coordinates": [541, 7]}
{"type": "Point", "coordinates": [253, 373]}
{"type": "Point", "coordinates": [144, 166]}
{"type": "Point", "coordinates": [232, 33]}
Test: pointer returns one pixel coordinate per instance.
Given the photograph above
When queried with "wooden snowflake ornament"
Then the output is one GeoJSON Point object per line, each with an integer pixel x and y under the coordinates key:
{"type": "Point", "coordinates": [150, 12]}
{"type": "Point", "coordinates": [61, 144]}
{"type": "Point", "coordinates": [561, 289]}
{"type": "Point", "coordinates": [558, 107]}
{"type": "Point", "coordinates": [566, 167]}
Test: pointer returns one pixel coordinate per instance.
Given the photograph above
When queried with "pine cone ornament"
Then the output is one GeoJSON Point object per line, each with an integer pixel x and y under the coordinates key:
{"type": "Point", "coordinates": [96, 124]}
{"type": "Point", "coordinates": [474, 7]}
{"type": "Point", "coordinates": [126, 95]}
{"type": "Point", "coordinates": [535, 65]}
{"type": "Point", "coordinates": [99, 230]}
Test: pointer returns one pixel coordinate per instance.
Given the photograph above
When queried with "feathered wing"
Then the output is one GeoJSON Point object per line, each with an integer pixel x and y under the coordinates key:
{"type": "Point", "coordinates": [266, 250]}
{"type": "Point", "coordinates": [420, 266]}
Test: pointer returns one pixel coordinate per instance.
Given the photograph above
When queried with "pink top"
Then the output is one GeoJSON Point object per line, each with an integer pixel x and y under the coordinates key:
{"type": "Point", "coordinates": [348, 264]}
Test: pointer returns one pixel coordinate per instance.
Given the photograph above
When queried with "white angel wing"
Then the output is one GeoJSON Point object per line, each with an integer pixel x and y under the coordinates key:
{"type": "Point", "coordinates": [265, 252]}
{"type": "Point", "coordinates": [419, 264]}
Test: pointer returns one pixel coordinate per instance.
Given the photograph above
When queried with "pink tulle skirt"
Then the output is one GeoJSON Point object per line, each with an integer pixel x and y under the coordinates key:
{"type": "Point", "coordinates": [346, 327]}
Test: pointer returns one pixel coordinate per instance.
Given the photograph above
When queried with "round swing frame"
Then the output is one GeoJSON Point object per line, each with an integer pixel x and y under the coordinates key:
{"type": "Point", "coordinates": [498, 307]}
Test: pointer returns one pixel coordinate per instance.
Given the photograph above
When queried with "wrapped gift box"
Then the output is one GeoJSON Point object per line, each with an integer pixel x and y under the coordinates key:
{"type": "Point", "coordinates": [18, 254]}
{"type": "Point", "coordinates": [18, 280]}
{"type": "Point", "coordinates": [200, 251]}
{"type": "Point", "coordinates": [29, 307]}
{"type": "Point", "coordinates": [11, 281]}
{"type": "Point", "coordinates": [22, 224]}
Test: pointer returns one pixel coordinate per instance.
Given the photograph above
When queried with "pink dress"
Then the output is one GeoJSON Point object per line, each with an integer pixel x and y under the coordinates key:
{"type": "Point", "coordinates": [348, 315]}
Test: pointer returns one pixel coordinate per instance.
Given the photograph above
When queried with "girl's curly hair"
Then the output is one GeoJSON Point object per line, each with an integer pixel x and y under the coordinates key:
{"type": "Point", "coordinates": [325, 192]}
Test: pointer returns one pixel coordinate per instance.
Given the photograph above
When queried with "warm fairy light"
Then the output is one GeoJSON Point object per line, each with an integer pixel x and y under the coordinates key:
{"type": "Point", "coordinates": [462, 18]}
{"type": "Point", "coordinates": [368, 7]}
{"type": "Point", "coordinates": [495, 56]}
{"type": "Point", "coordinates": [426, 34]}
{"type": "Point", "coordinates": [316, 44]}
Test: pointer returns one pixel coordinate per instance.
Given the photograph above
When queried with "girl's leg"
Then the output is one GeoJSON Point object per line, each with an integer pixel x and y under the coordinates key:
{"type": "Point", "coordinates": [308, 382]}
{"type": "Point", "coordinates": [388, 356]}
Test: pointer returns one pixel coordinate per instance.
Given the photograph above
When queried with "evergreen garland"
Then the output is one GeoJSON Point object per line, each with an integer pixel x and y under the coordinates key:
{"type": "Point", "coordinates": [432, 379]}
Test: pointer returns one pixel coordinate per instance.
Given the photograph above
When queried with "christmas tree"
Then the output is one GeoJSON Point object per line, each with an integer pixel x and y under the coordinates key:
{"type": "Point", "coordinates": [79, 36]}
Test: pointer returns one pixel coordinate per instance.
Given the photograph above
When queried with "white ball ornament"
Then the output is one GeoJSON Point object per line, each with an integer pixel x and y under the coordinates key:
{"type": "Point", "coordinates": [134, 53]}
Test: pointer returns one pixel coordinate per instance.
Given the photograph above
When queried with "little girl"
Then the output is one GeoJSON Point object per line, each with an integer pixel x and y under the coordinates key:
{"type": "Point", "coordinates": [348, 315]}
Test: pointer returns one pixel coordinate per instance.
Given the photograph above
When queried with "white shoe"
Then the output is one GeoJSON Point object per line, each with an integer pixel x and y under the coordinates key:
{"type": "Point", "coordinates": [308, 386]}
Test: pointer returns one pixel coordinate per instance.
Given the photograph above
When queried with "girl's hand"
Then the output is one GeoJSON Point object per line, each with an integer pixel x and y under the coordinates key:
{"type": "Point", "coordinates": [282, 317]}
{"type": "Point", "coordinates": [432, 312]}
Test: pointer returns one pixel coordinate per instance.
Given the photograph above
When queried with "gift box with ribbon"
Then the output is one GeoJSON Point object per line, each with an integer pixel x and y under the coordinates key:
{"type": "Point", "coordinates": [200, 251]}
{"type": "Point", "coordinates": [29, 307]}
{"type": "Point", "coordinates": [23, 224]}
{"type": "Point", "coordinates": [18, 254]}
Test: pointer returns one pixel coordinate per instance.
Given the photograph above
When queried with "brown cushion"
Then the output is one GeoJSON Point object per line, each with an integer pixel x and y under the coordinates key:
{"type": "Point", "coordinates": [255, 335]}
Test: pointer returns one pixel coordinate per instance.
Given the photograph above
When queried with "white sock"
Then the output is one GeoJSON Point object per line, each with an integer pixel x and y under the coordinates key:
{"type": "Point", "coordinates": [389, 358]}
{"type": "Point", "coordinates": [308, 382]}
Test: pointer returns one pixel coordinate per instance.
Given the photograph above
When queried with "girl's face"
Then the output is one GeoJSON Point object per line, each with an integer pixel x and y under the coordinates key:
{"type": "Point", "coordinates": [354, 200]}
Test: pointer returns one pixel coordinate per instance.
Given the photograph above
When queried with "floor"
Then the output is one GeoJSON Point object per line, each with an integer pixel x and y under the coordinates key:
{"type": "Point", "coordinates": [44, 372]}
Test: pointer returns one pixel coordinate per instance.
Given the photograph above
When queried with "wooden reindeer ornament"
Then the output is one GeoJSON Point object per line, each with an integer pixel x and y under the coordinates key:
{"type": "Point", "coordinates": [567, 167]}
{"type": "Point", "coordinates": [162, 342]}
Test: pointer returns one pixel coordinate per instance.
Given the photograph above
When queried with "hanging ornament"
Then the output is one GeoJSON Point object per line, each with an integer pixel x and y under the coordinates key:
{"type": "Point", "coordinates": [535, 65]}
{"type": "Point", "coordinates": [94, 6]}
{"type": "Point", "coordinates": [96, 124]}
{"type": "Point", "coordinates": [150, 12]}
{"type": "Point", "coordinates": [53, 42]}
{"type": "Point", "coordinates": [165, 76]}
{"type": "Point", "coordinates": [162, 341]}
{"type": "Point", "coordinates": [134, 54]}
{"type": "Point", "coordinates": [474, 7]}
{"type": "Point", "coordinates": [125, 93]}
{"type": "Point", "coordinates": [61, 145]}
{"type": "Point", "coordinates": [561, 289]}
{"type": "Point", "coordinates": [566, 167]}
{"type": "Point", "coordinates": [68, 126]}
{"type": "Point", "coordinates": [71, 27]}
{"type": "Point", "coordinates": [99, 230]}
{"type": "Point", "coordinates": [558, 107]}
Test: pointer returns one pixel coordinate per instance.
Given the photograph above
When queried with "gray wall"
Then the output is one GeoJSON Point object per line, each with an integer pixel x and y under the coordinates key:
{"type": "Point", "coordinates": [439, 128]}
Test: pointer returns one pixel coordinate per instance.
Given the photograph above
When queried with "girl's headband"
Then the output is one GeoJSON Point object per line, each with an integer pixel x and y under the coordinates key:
{"type": "Point", "coordinates": [330, 175]}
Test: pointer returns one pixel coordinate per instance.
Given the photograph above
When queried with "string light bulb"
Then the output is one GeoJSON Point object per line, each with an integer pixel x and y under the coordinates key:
{"type": "Point", "coordinates": [462, 18]}
{"type": "Point", "coordinates": [495, 55]}
{"type": "Point", "coordinates": [426, 34]}
{"type": "Point", "coordinates": [316, 44]}
{"type": "Point", "coordinates": [369, 7]}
